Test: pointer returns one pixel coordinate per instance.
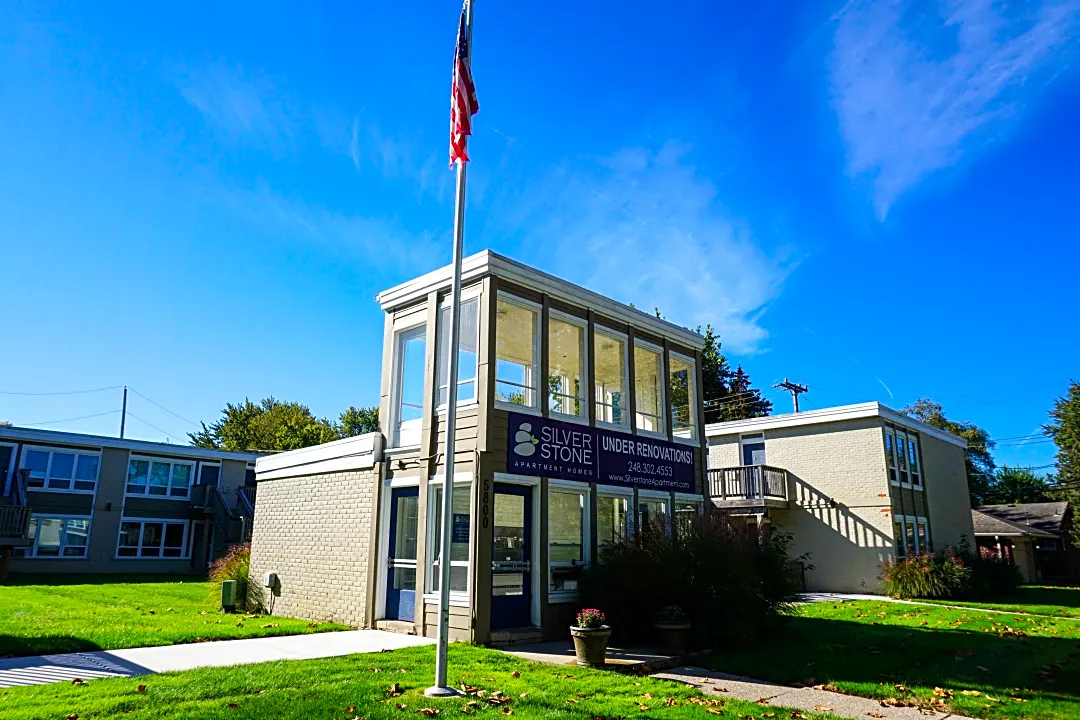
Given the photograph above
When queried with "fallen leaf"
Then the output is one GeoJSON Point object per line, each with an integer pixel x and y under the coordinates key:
{"type": "Point", "coordinates": [507, 711]}
{"type": "Point", "coordinates": [141, 689]}
{"type": "Point", "coordinates": [823, 708]}
{"type": "Point", "coordinates": [515, 674]}
{"type": "Point", "coordinates": [524, 694]}
{"type": "Point", "coordinates": [400, 706]}
{"type": "Point", "coordinates": [428, 712]}
{"type": "Point", "coordinates": [875, 715]}
{"type": "Point", "coordinates": [972, 693]}
{"type": "Point", "coordinates": [762, 700]}
{"type": "Point", "coordinates": [642, 707]}
{"type": "Point", "coordinates": [571, 701]}
{"type": "Point", "coordinates": [72, 717]}
{"type": "Point", "coordinates": [78, 681]}
{"type": "Point", "coordinates": [720, 689]}
{"type": "Point", "coordinates": [233, 706]}
{"type": "Point", "coordinates": [270, 625]}
{"type": "Point", "coordinates": [350, 709]}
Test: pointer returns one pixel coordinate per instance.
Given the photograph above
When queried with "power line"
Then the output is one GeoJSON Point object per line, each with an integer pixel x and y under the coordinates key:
{"type": "Point", "coordinates": [144, 422]}
{"type": "Point", "coordinates": [189, 422]}
{"type": "Point", "coordinates": [795, 389]}
{"type": "Point", "coordinates": [81, 417]}
{"type": "Point", "coordinates": [66, 392]}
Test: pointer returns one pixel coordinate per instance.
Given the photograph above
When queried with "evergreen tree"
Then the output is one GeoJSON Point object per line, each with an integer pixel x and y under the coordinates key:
{"type": "Point", "coordinates": [727, 394]}
{"type": "Point", "coordinates": [1064, 428]}
{"type": "Point", "coordinates": [743, 401]}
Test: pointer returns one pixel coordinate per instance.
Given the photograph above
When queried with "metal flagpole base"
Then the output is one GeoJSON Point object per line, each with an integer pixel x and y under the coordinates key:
{"type": "Point", "coordinates": [442, 692]}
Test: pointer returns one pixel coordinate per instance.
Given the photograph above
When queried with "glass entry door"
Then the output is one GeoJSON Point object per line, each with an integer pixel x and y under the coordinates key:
{"type": "Point", "coordinates": [511, 558]}
{"type": "Point", "coordinates": [401, 565]}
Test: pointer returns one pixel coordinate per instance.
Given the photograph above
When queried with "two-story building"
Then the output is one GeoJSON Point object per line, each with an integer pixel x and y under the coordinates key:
{"type": "Point", "coordinates": [855, 486]}
{"type": "Point", "coordinates": [75, 503]}
{"type": "Point", "coordinates": [579, 419]}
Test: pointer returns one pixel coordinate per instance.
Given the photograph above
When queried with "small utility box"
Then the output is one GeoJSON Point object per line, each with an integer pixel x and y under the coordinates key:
{"type": "Point", "coordinates": [270, 580]}
{"type": "Point", "coordinates": [228, 595]}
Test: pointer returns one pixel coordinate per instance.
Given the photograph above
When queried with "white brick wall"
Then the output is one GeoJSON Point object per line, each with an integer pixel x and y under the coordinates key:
{"type": "Point", "coordinates": [947, 493]}
{"type": "Point", "coordinates": [314, 531]}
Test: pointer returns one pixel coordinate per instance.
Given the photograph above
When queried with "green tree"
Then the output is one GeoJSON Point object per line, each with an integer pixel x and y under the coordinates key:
{"type": "Point", "coordinates": [273, 425]}
{"type": "Point", "coordinates": [980, 464]}
{"type": "Point", "coordinates": [728, 394]}
{"type": "Point", "coordinates": [1017, 485]}
{"type": "Point", "coordinates": [1064, 428]}
{"type": "Point", "coordinates": [359, 421]}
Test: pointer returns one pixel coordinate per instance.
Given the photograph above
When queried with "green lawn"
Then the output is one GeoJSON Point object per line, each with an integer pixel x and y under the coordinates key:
{"type": "Point", "coordinates": [1035, 599]}
{"type": "Point", "coordinates": [986, 665]}
{"type": "Point", "coordinates": [82, 614]}
{"type": "Point", "coordinates": [363, 686]}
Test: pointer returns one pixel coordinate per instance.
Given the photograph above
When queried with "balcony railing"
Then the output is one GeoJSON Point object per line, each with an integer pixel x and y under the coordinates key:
{"type": "Point", "coordinates": [748, 483]}
{"type": "Point", "coordinates": [245, 499]}
{"type": "Point", "coordinates": [14, 521]}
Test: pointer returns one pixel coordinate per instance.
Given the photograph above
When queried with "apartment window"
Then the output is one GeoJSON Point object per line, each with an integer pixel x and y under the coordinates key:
{"type": "Point", "coordinates": [609, 368]}
{"type": "Point", "coordinates": [890, 456]}
{"type": "Point", "coordinates": [566, 366]}
{"type": "Point", "coordinates": [912, 536]}
{"type": "Point", "coordinates": [649, 388]}
{"type": "Point", "coordinates": [567, 533]}
{"type": "Point", "coordinates": [57, 537]}
{"type": "Point", "coordinates": [913, 461]}
{"type": "Point", "coordinates": [688, 512]}
{"type": "Point", "coordinates": [517, 352]}
{"type": "Point", "coordinates": [612, 518]}
{"type": "Point", "coordinates": [209, 474]}
{"type": "Point", "coordinates": [653, 511]}
{"type": "Point", "coordinates": [901, 459]}
{"type": "Point", "coordinates": [683, 381]}
{"type": "Point", "coordinates": [459, 541]}
{"type": "Point", "coordinates": [162, 539]}
{"type": "Point", "coordinates": [410, 351]}
{"type": "Point", "coordinates": [61, 470]}
{"type": "Point", "coordinates": [163, 478]}
{"type": "Point", "coordinates": [469, 331]}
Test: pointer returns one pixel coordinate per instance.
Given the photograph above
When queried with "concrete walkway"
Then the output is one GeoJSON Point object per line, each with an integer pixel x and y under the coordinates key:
{"type": "Point", "coordinates": [42, 669]}
{"type": "Point", "coordinates": [808, 699]}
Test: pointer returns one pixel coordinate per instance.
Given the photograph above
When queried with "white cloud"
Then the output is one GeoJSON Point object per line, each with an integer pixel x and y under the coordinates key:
{"type": "Point", "coordinates": [917, 88]}
{"type": "Point", "coordinates": [647, 228]}
{"type": "Point", "coordinates": [243, 106]}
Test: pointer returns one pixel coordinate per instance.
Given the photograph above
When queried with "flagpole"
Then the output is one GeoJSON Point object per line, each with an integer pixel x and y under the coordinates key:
{"type": "Point", "coordinates": [441, 688]}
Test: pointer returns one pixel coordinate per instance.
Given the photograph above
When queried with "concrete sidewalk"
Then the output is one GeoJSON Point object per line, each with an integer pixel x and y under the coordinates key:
{"type": "Point", "coordinates": [808, 699]}
{"type": "Point", "coordinates": [42, 669]}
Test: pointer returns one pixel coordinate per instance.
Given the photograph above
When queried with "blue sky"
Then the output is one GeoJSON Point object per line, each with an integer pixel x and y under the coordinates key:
{"type": "Point", "coordinates": [877, 199]}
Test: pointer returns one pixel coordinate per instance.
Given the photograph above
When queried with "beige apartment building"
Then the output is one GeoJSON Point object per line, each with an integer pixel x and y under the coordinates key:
{"type": "Point", "coordinates": [72, 503]}
{"type": "Point", "coordinates": [854, 485]}
{"type": "Point", "coordinates": [579, 419]}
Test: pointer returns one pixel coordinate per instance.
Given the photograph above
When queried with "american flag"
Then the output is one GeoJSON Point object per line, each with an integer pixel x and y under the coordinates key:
{"type": "Point", "coordinates": [463, 104]}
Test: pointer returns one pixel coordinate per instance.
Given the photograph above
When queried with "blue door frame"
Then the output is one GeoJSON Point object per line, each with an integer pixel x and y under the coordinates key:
{"type": "Point", "coordinates": [401, 571]}
{"type": "Point", "coordinates": [511, 558]}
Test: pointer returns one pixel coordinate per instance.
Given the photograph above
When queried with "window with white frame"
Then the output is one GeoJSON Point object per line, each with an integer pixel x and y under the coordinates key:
{"type": "Point", "coordinates": [517, 352]}
{"type": "Point", "coordinates": [459, 540]}
{"type": "Point", "coordinates": [653, 511]}
{"type": "Point", "coordinates": [63, 536]}
{"type": "Point", "coordinates": [688, 512]}
{"type": "Point", "coordinates": [612, 517]}
{"type": "Point", "coordinates": [902, 458]}
{"type": "Point", "coordinates": [914, 468]}
{"type": "Point", "coordinates": [912, 535]}
{"type": "Point", "coordinates": [890, 456]}
{"type": "Point", "coordinates": [568, 519]}
{"type": "Point", "coordinates": [61, 470]}
{"type": "Point", "coordinates": [410, 351]}
{"type": "Point", "coordinates": [468, 353]}
{"type": "Point", "coordinates": [648, 388]}
{"type": "Point", "coordinates": [159, 477]}
{"type": "Point", "coordinates": [153, 538]}
{"type": "Point", "coordinates": [209, 474]}
{"type": "Point", "coordinates": [609, 370]}
{"type": "Point", "coordinates": [566, 366]}
{"type": "Point", "coordinates": [683, 387]}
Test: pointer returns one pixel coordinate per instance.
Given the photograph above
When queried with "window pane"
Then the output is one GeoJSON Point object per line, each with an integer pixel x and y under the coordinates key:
{"type": "Point", "coordinates": [76, 533]}
{"type": "Point", "coordinates": [63, 466]}
{"type": "Point", "coordinates": [565, 526]}
{"type": "Point", "coordinates": [611, 516]}
{"type": "Point", "coordinates": [151, 536]}
{"type": "Point", "coordinates": [159, 478]}
{"type": "Point", "coordinates": [129, 534]}
{"type": "Point", "coordinates": [609, 368]}
{"type": "Point", "coordinates": [137, 472]}
{"type": "Point", "coordinates": [898, 532]}
{"type": "Point", "coordinates": [467, 355]}
{"type": "Point", "coordinates": [411, 346]}
{"type": "Point", "coordinates": [648, 387]}
{"type": "Point", "coordinates": [515, 354]}
{"type": "Point", "coordinates": [209, 474]}
{"type": "Point", "coordinates": [566, 367]}
{"type": "Point", "coordinates": [181, 478]}
{"type": "Point", "coordinates": [50, 531]}
{"type": "Point", "coordinates": [174, 535]}
{"type": "Point", "coordinates": [37, 462]}
{"type": "Point", "coordinates": [87, 467]}
{"type": "Point", "coordinates": [683, 398]}
{"type": "Point", "coordinates": [652, 515]}
{"type": "Point", "coordinates": [459, 542]}
{"type": "Point", "coordinates": [686, 514]}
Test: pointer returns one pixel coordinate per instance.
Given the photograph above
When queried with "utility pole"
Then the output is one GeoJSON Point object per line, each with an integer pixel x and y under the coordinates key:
{"type": "Point", "coordinates": [123, 414]}
{"type": "Point", "coordinates": [794, 388]}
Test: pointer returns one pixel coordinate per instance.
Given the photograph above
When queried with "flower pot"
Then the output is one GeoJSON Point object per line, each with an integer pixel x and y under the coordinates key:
{"type": "Point", "coordinates": [590, 644]}
{"type": "Point", "coordinates": [672, 637]}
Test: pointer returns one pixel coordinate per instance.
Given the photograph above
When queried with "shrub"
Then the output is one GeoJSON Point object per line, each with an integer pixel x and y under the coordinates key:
{"type": "Point", "coordinates": [991, 578]}
{"type": "Point", "coordinates": [235, 564]}
{"type": "Point", "coordinates": [591, 619]}
{"type": "Point", "coordinates": [671, 614]}
{"type": "Point", "coordinates": [927, 576]}
{"type": "Point", "coordinates": [727, 583]}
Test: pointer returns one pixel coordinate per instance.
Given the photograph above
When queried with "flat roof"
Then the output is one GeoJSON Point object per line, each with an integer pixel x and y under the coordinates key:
{"type": "Point", "coordinates": [829, 415]}
{"type": "Point", "coordinates": [359, 452]}
{"type": "Point", "coordinates": [57, 437]}
{"type": "Point", "coordinates": [488, 262]}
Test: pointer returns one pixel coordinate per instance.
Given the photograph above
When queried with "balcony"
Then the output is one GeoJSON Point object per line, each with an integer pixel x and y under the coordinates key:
{"type": "Point", "coordinates": [749, 486]}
